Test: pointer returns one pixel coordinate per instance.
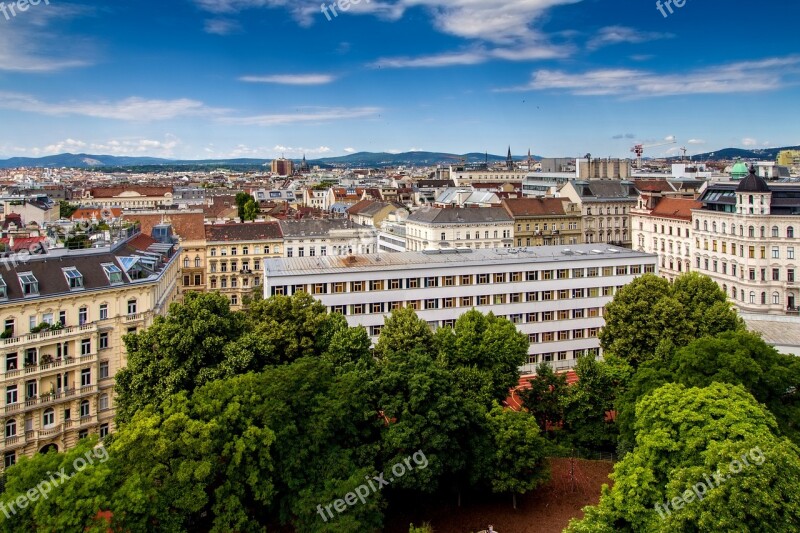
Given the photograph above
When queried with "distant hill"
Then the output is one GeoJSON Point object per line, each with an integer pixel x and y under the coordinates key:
{"type": "Point", "coordinates": [764, 154]}
{"type": "Point", "coordinates": [361, 159]}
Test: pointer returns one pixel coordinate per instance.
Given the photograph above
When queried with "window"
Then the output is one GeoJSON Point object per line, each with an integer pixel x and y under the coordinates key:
{"type": "Point", "coordinates": [86, 377]}
{"type": "Point", "coordinates": [197, 263]}
{"type": "Point", "coordinates": [776, 298]}
{"type": "Point", "coordinates": [113, 273]}
{"type": "Point", "coordinates": [83, 316]}
{"type": "Point", "coordinates": [499, 278]}
{"type": "Point", "coordinates": [29, 283]}
{"type": "Point", "coordinates": [132, 307]}
{"type": "Point", "coordinates": [11, 428]}
{"type": "Point", "coordinates": [213, 252]}
{"type": "Point", "coordinates": [233, 250]}
{"type": "Point", "coordinates": [465, 280]}
{"type": "Point", "coordinates": [775, 231]}
{"type": "Point", "coordinates": [103, 369]}
{"type": "Point", "coordinates": [790, 252]}
{"type": "Point", "coordinates": [84, 408]}
{"type": "Point", "coordinates": [3, 288]}
{"type": "Point", "coordinates": [466, 301]}
{"type": "Point", "coordinates": [432, 304]}
{"type": "Point", "coordinates": [103, 341]}
{"type": "Point", "coordinates": [776, 254]}
{"type": "Point", "coordinates": [776, 274]}
{"type": "Point", "coordinates": [790, 232]}
{"type": "Point", "coordinates": [103, 430]}
{"type": "Point", "coordinates": [86, 346]}
{"type": "Point", "coordinates": [234, 299]}
{"type": "Point", "coordinates": [11, 395]}
{"type": "Point", "coordinates": [483, 279]}
{"type": "Point", "coordinates": [431, 282]}
{"type": "Point", "coordinates": [49, 418]}
{"type": "Point", "coordinates": [82, 434]}
{"type": "Point", "coordinates": [103, 311]}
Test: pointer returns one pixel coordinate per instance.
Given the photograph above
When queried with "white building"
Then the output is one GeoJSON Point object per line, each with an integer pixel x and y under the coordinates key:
{"type": "Point", "coordinates": [554, 295]}
{"type": "Point", "coordinates": [444, 229]}
{"type": "Point", "coordinates": [311, 238]}
{"type": "Point", "coordinates": [663, 226]}
{"type": "Point", "coordinates": [746, 237]}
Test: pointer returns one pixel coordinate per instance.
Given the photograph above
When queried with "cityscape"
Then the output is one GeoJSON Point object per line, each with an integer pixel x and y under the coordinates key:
{"type": "Point", "coordinates": [399, 266]}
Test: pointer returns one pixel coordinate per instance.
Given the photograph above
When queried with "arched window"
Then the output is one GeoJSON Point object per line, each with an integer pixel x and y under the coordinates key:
{"type": "Point", "coordinates": [741, 231]}
{"type": "Point", "coordinates": [49, 418]}
{"type": "Point", "coordinates": [790, 232]}
{"type": "Point", "coordinates": [763, 232]}
{"type": "Point", "coordinates": [724, 228]}
{"type": "Point", "coordinates": [751, 232]}
{"type": "Point", "coordinates": [714, 227]}
{"type": "Point", "coordinates": [11, 428]}
{"type": "Point", "coordinates": [186, 262]}
{"type": "Point", "coordinates": [85, 408]}
{"type": "Point", "coordinates": [752, 297]}
{"type": "Point", "coordinates": [774, 231]}
{"type": "Point", "coordinates": [725, 288]}
{"type": "Point", "coordinates": [733, 292]}
{"type": "Point", "coordinates": [697, 224]}
{"type": "Point", "coordinates": [197, 263]}
{"type": "Point", "coordinates": [776, 298]}
{"type": "Point", "coordinates": [741, 293]}
{"type": "Point", "coordinates": [705, 225]}
{"type": "Point", "coordinates": [132, 306]}
{"type": "Point", "coordinates": [763, 298]}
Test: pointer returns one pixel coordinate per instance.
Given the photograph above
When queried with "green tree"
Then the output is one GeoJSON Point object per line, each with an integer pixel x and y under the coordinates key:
{"type": "Point", "coordinates": [589, 403]}
{"type": "Point", "coordinates": [735, 357]}
{"type": "Point", "coordinates": [649, 317]}
{"type": "Point", "coordinates": [684, 436]}
{"type": "Point", "coordinates": [250, 210]}
{"type": "Point", "coordinates": [544, 399]}
{"type": "Point", "coordinates": [176, 352]}
{"type": "Point", "coordinates": [66, 209]}
{"type": "Point", "coordinates": [518, 463]}
{"type": "Point", "coordinates": [404, 331]}
{"type": "Point", "coordinates": [242, 199]}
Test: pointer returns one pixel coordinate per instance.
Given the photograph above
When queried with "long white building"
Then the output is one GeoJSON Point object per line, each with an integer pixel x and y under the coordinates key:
{"type": "Point", "coordinates": [555, 295]}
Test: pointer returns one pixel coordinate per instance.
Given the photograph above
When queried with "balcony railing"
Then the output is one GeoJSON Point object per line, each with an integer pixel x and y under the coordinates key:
{"type": "Point", "coordinates": [54, 364]}
{"type": "Point", "coordinates": [50, 334]}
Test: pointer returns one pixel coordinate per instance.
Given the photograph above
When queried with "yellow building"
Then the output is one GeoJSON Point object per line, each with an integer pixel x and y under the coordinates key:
{"type": "Point", "coordinates": [235, 255]}
{"type": "Point", "coordinates": [545, 221]}
{"type": "Point", "coordinates": [789, 158]}
{"type": "Point", "coordinates": [64, 315]}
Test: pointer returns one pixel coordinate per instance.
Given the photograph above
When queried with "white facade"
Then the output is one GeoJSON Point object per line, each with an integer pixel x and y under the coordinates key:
{"type": "Point", "coordinates": [554, 295]}
{"type": "Point", "coordinates": [667, 232]}
{"type": "Point", "coordinates": [444, 229]}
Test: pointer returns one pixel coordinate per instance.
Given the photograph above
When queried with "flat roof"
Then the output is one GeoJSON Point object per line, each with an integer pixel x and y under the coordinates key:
{"type": "Point", "coordinates": [447, 258]}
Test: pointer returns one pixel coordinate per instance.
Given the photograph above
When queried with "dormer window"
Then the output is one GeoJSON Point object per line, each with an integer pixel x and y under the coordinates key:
{"type": "Point", "coordinates": [29, 283]}
{"type": "Point", "coordinates": [113, 273]}
{"type": "Point", "coordinates": [3, 288]}
{"type": "Point", "coordinates": [74, 278]}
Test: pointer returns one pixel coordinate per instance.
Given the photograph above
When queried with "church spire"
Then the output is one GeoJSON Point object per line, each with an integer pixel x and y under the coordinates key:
{"type": "Point", "coordinates": [509, 160]}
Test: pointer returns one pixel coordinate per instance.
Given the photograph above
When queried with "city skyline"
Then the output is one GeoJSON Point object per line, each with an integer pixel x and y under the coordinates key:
{"type": "Point", "coordinates": [261, 78]}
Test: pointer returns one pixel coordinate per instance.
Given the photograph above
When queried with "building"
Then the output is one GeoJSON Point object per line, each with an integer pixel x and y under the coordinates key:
{"type": "Point", "coordinates": [597, 169]}
{"type": "Point", "coordinates": [373, 213]}
{"type": "Point", "coordinates": [745, 238]}
{"type": "Point", "coordinates": [40, 210]}
{"type": "Point", "coordinates": [443, 229]}
{"type": "Point", "coordinates": [544, 221]}
{"type": "Point", "coordinates": [282, 167]}
{"type": "Point", "coordinates": [319, 238]}
{"type": "Point", "coordinates": [129, 197]}
{"type": "Point", "coordinates": [605, 206]}
{"type": "Point", "coordinates": [789, 158]}
{"type": "Point", "coordinates": [663, 226]}
{"type": "Point", "coordinates": [64, 315]}
{"type": "Point", "coordinates": [554, 295]}
{"type": "Point", "coordinates": [235, 254]}
{"type": "Point", "coordinates": [462, 175]}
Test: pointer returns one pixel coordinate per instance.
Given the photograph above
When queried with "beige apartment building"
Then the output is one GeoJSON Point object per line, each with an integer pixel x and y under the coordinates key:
{"type": "Point", "coordinates": [235, 254]}
{"type": "Point", "coordinates": [129, 197]}
{"type": "Point", "coordinates": [605, 206]}
{"type": "Point", "coordinates": [64, 314]}
{"type": "Point", "coordinates": [545, 221]}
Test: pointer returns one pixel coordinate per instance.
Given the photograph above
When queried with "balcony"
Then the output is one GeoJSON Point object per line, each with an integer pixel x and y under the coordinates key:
{"type": "Point", "coordinates": [135, 317]}
{"type": "Point", "coordinates": [52, 335]}
{"type": "Point", "coordinates": [49, 433]}
{"type": "Point", "coordinates": [29, 369]}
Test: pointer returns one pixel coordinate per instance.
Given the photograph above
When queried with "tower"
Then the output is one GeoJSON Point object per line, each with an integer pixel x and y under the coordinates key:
{"type": "Point", "coordinates": [509, 160]}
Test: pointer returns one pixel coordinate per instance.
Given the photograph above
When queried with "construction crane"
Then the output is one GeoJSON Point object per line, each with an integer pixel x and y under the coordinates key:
{"type": "Point", "coordinates": [638, 149]}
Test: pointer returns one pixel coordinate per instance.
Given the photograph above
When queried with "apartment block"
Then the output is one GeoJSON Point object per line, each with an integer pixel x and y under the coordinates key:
{"type": "Point", "coordinates": [441, 229]}
{"type": "Point", "coordinates": [746, 238]}
{"type": "Point", "coordinates": [64, 314]}
{"type": "Point", "coordinates": [554, 295]}
{"type": "Point", "coordinates": [545, 221]}
{"type": "Point", "coordinates": [663, 226]}
{"type": "Point", "coordinates": [234, 255]}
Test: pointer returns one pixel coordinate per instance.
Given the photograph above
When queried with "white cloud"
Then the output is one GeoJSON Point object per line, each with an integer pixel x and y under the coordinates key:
{"type": "Point", "coordinates": [222, 26]}
{"type": "Point", "coordinates": [310, 115]}
{"type": "Point", "coordinates": [611, 35]}
{"type": "Point", "coordinates": [476, 56]}
{"type": "Point", "coordinates": [291, 79]}
{"type": "Point", "coordinates": [748, 141]}
{"type": "Point", "coordinates": [300, 152]}
{"type": "Point", "coordinates": [119, 147]}
{"type": "Point", "coordinates": [132, 109]}
{"type": "Point", "coordinates": [669, 138]}
{"type": "Point", "coordinates": [350, 150]}
{"type": "Point", "coordinates": [696, 141]}
{"type": "Point", "coordinates": [743, 77]}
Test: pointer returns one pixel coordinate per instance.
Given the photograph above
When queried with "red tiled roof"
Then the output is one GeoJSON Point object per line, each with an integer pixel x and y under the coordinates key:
{"type": "Point", "coordinates": [676, 208]}
{"type": "Point", "coordinates": [22, 244]}
{"type": "Point", "coordinates": [85, 213]}
{"type": "Point", "coordinates": [187, 226]}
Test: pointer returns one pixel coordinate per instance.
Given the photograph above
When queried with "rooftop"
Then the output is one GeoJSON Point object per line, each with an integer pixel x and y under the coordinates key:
{"type": "Point", "coordinates": [448, 258]}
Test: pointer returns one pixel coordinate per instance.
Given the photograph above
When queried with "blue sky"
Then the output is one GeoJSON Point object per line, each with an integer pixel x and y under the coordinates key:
{"type": "Point", "coordinates": [258, 78]}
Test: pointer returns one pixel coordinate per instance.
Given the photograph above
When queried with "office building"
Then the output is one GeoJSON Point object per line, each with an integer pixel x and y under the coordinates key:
{"type": "Point", "coordinates": [555, 295]}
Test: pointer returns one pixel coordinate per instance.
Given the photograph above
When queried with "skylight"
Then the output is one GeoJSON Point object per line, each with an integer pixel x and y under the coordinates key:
{"type": "Point", "coordinates": [113, 273]}
{"type": "Point", "coordinates": [74, 278]}
{"type": "Point", "coordinates": [29, 283]}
